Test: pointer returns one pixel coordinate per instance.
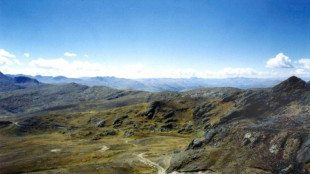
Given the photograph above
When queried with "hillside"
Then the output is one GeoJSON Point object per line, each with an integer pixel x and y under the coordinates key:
{"type": "Point", "coordinates": [78, 129]}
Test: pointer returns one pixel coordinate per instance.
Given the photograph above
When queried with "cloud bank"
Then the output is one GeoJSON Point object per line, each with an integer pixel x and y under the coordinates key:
{"type": "Point", "coordinates": [9, 64]}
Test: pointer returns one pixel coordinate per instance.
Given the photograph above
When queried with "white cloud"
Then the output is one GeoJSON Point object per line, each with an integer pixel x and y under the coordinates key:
{"type": "Point", "coordinates": [70, 54]}
{"type": "Point", "coordinates": [26, 54]}
{"type": "Point", "coordinates": [60, 66]}
{"type": "Point", "coordinates": [4, 53]}
{"type": "Point", "coordinates": [5, 61]}
{"type": "Point", "coordinates": [305, 63]}
{"type": "Point", "coordinates": [86, 55]}
{"type": "Point", "coordinates": [16, 61]}
{"type": "Point", "coordinates": [280, 61]}
{"type": "Point", "coordinates": [5, 57]}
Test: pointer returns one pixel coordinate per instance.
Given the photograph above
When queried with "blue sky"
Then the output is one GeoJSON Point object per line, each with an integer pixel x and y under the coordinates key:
{"type": "Point", "coordinates": [162, 38]}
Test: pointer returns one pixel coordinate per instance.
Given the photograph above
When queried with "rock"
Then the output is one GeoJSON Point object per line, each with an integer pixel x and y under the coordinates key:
{"type": "Point", "coordinates": [303, 154]}
{"type": "Point", "coordinates": [186, 161]}
{"type": "Point", "coordinates": [196, 143]}
{"type": "Point", "coordinates": [166, 127]}
{"type": "Point", "coordinates": [186, 129]}
{"type": "Point", "coordinates": [287, 170]}
{"type": "Point", "coordinates": [101, 123]}
{"type": "Point", "coordinates": [201, 112]}
{"type": "Point", "coordinates": [129, 111]}
{"type": "Point", "coordinates": [108, 132]}
{"type": "Point", "coordinates": [207, 126]}
{"type": "Point", "coordinates": [128, 134]}
{"type": "Point", "coordinates": [278, 142]}
{"type": "Point", "coordinates": [251, 138]}
{"type": "Point", "coordinates": [168, 114]}
{"type": "Point", "coordinates": [152, 109]}
{"type": "Point", "coordinates": [205, 120]}
{"type": "Point", "coordinates": [170, 120]}
{"type": "Point", "coordinates": [274, 149]}
{"type": "Point", "coordinates": [223, 131]}
{"type": "Point", "coordinates": [118, 122]}
{"type": "Point", "coordinates": [181, 109]}
{"type": "Point", "coordinates": [152, 127]}
{"type": "Point", "coordinates": [209, 135]}
{"type": "Point", "coordinates": [129, 122]}
{"type": "Point", "coordinates": [176, 151]}
{"type": "Point", "coordinates": [245, 142]}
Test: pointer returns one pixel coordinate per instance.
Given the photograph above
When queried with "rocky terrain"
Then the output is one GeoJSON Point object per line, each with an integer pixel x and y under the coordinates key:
{"type": "Point", "coordinates": [79, 129]}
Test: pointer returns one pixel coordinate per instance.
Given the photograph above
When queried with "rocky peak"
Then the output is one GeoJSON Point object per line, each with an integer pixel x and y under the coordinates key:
{"type": "Point", "coordinates": [290, 84]}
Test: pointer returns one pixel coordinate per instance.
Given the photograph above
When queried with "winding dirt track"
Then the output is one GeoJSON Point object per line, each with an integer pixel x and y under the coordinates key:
{"type": "Point", "coordinates": [151, 163]}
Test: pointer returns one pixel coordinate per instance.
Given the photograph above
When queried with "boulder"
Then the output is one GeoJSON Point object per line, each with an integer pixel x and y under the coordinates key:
{"type": "Point", "coordinates": [303, 154]}
{"type": "Point", "coordinates": [278, 142]}
{"type": "Point", "coordinates": [129, 122]}
{"type": "Point", "coordinates": [168, 114]}
{"type": "Point", "coordinates": [187, 161]}
{"type": "Point", "coordinates": [186, 129]}
{"type": "Point", "coordinates": [152, 109]}
{"type": "Point", "coordinates": [209, 135]}
{"type": "Point", "coordinates": [101, 123]}
{"type": "Point", "coordinates": [196, 143]}
{"type": "Point", "coordinates": [128, 134]}
{"type": "Point", "coordinates": [166, 127]}
{"type": "Point", "coordinates": [170, 120]}
{"type": "Point", "coordinates": [251, 138]}
{"type": "Point", "coordinates": [287, 170]}
{"type": "Point", "coordinates": [118, 122]}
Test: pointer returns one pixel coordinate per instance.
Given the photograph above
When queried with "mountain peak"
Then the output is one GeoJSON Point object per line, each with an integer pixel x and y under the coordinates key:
{"type": "Point", "coordinates": [292, 83]}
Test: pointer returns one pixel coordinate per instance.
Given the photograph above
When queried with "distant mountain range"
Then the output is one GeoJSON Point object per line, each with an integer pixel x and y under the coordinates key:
{"type": "Point", "coordinates": [158, 84]}
{"type": "Point", "coordinates": [9, 83]}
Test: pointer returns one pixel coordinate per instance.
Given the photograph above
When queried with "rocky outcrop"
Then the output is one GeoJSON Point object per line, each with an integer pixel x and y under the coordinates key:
{"type": "Point", "coordinates": [196, 143]}
{"type": "Point", "coordinates": [277, 143]}
{"type": "Point", "coordinates": [185, 161]}
{"type": "Point", "coordinates": [186, 129]}
{"type": "Point", "coordinates": [303, 155]}
{"type": "Point", "coordinates": [209, 135]}
{"type": "Point", "coordinates": [170, 120]}
{"type": "Point", "coordinates": [152, 109]}
{"type": "Point", "coordinates": [118, 122]}
{"type": "Point", "coordinates": [251, 138]}
{"type": "Point", "coordinates": [166, 127]}
{"type": "Point", "coordinates": [201, 112]}
{"type": "Point", "coordinates": [168, 114]}
{"type": "Point", "coordinates": [101, 123]}
{"type": "Point", "coordinates": [128, 134]}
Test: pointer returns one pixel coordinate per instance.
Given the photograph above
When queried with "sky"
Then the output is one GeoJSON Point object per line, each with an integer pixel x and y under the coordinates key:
{"type": "Point", "coordinates": [155, 38]}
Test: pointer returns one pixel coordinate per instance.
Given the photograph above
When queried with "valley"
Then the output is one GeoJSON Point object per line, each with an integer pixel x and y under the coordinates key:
{"type": "Point", "coordinates": [78, 129]}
